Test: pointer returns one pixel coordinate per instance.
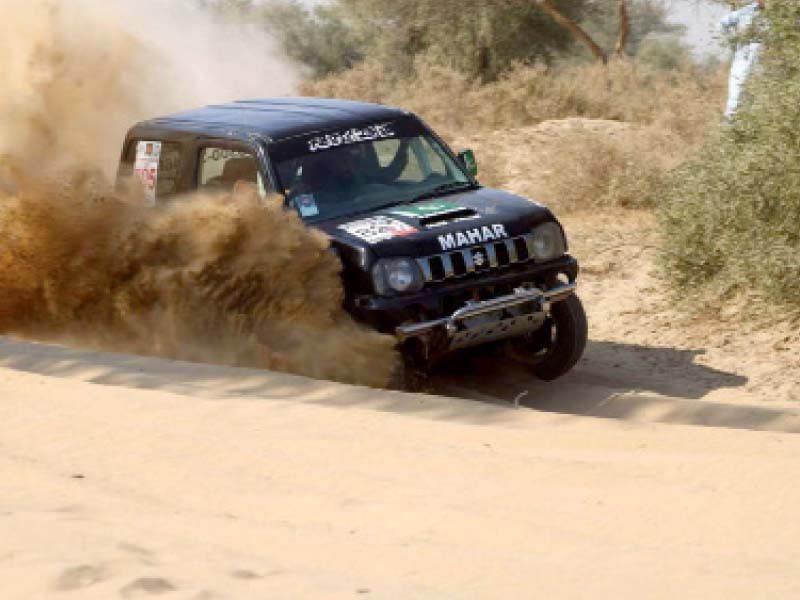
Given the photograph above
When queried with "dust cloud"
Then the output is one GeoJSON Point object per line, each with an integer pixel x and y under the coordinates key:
{"type": "Point", "coordinates": [75, 74]}
{"type": "Point", "coordinates": [229, 279]}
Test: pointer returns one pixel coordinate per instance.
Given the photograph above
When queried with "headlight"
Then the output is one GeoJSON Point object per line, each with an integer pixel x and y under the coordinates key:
{"type": "Point", "coordinates": [399, 275]}
{"type": "Point", "coordinates": [548, 242]}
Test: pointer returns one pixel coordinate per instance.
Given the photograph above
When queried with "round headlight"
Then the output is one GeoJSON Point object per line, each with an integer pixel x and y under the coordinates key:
{"type": "Point", "coordinates": [397, 275]}
{"type": "Point", "coordinates": [548, 242]}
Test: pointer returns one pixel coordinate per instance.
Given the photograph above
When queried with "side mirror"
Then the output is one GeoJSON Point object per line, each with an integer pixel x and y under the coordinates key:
{"type": "Point", "coordinates": [467, 158]}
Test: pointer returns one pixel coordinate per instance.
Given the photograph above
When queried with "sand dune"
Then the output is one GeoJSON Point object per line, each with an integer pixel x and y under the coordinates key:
{"type": "Point", "coordinates": [132, 477]}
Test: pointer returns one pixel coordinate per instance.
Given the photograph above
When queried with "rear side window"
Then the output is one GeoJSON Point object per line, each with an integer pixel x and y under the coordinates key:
{"type": "Point", "coordinates": [222, 168]}
{"type": "Point", "coordinates": [157, 165]}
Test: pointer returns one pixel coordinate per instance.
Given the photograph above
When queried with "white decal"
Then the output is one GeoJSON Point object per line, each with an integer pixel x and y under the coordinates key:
{"type": "Point", "coordinates": [351, 136]}
{"type": "Point", "coordinates": [148, 155]}
{"type": "Point", "coordinates": [471, 237]}
{"type": "Point", "coordinates": [307, 205]}
{"type": "Point", "coordinates": [378, 229]}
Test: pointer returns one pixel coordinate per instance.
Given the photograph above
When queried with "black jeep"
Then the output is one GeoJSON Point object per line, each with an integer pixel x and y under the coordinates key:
{"type": "Point", "coordinates": [428, 254]}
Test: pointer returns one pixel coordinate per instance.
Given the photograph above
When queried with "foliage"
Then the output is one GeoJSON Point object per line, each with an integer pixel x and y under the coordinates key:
{"type": "Point", "coordinates": [664, 52]}
{"type": "Point", "coordinates": [480, 39]}
{"type": "Point", "coordinates": [731, 217]}
{"type": "Point", "coordinates": [323, 38]}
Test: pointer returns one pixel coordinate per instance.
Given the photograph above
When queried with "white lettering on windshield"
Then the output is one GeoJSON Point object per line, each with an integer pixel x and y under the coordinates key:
{"type": "Point", "coordinates": [351, 136]}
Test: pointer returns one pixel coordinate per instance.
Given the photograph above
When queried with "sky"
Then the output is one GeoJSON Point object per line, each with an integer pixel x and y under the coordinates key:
{"type": "Point", "coordinates": [701, 19]}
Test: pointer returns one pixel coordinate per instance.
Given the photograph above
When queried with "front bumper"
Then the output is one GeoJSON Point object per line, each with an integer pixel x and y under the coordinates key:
{"type": "Point", "coordinates": [486, 321]}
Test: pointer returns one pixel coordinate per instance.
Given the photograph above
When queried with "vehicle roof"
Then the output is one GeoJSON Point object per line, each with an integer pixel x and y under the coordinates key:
{"type": "Point", "coordinates": [276, 118]}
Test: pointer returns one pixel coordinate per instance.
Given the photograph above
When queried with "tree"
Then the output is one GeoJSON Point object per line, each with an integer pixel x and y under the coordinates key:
{"type": "Point", "coordinates": [320, 38]}
{"type": "Point", "coordinates": [323, 38]}
{"type": "Point", "coordinates": [622, 25]}
{"type": "Point", "coordinates": [580, 33]}
{"type": "Point", "coordinates": [646, 19]}
{"type": "Point", "coordinates": [479, 38]}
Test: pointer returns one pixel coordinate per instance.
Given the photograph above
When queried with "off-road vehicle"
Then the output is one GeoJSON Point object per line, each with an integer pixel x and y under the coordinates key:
{"type": "Point", "coordinates": [428, 254]}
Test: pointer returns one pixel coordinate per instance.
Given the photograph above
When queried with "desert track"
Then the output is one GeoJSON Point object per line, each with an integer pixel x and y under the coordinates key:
{"type": "Point", "coordinates": [127, 476]}
{"type": "Point", "coordinates": [665, 465]}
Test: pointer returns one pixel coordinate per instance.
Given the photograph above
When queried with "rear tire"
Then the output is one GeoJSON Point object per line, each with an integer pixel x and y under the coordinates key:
{"type": "Point", "coordinates": [557, 348]}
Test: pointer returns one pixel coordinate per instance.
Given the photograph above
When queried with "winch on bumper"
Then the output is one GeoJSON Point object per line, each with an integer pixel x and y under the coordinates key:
{"type": "Point", "coordinates": [480, 322]}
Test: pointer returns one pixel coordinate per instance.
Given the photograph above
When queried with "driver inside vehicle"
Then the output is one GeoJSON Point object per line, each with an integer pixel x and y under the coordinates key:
{"type": "Point", "coordinates": [346, 171]}
{"type": "Point", "coordinates": [328, 177]}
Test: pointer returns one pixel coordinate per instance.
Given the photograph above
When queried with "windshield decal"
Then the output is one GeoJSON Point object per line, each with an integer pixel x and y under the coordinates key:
{"type": "Point", "coordinates": [352, 136]}
{"type": "Point", "coordinates": [472, 237]}
{"type": "Point", "coordinates": [306, 205]}
{"type": "Point", "coordinates": [378, 229]}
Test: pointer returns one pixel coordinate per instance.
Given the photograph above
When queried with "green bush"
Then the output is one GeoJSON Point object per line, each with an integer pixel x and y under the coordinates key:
{"type": "Point", "coordinates": [731, 215]}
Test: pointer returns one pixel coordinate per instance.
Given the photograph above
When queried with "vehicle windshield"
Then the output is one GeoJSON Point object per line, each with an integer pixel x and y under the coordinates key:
{"type": "Point", "coordinates": [365, 169]}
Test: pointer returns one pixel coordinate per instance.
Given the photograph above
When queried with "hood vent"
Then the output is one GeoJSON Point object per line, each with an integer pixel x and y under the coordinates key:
{"type": "Point", "coordinates": [444, 217]}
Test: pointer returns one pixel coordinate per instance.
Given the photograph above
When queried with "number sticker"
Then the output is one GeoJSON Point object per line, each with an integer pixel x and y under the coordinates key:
{"type": "Point", "coordinates": [145, 168]}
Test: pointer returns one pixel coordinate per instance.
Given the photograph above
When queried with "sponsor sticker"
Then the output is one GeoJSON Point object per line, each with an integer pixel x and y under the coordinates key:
{"type": "Point", "coordinates": [351, 136]}
{"type": "Point", "coordinates": [145, 167]}
{"type": "Point", "coordinates": [472, 237]}
{"type": "Point", "coordinates": [378, 229]}
{"type": "Point", "coordinates": [307, 205]}
{"type": "Point", "coordinates": [429, 209]}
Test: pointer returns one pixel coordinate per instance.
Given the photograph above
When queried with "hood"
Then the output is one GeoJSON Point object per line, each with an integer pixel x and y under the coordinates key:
{"type": "Point", "coordinates": [439, 225]}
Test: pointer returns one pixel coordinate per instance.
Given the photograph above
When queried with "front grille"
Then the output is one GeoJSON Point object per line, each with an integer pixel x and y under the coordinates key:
{"type": "Point", "coordinates": [477, 259]}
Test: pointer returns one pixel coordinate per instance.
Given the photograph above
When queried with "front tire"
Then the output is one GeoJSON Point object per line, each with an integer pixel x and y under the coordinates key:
{"type": "Point", "coordinates": [558, 346]}
{"type": "Point", "coordinates": [408, 376]}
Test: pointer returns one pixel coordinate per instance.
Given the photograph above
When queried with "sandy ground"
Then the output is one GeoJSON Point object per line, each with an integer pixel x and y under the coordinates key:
{"type": "Point", "coordinates": [130, 477]}
{"type": "Point", "coordinates": [666, 465]}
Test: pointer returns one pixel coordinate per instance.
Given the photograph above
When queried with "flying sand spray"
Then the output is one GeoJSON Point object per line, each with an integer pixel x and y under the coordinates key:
{"type": "Point", "coordinates": [226, 279]}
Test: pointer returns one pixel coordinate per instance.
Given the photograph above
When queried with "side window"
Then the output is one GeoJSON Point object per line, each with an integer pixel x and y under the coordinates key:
{"type": "Point", "coordinates": [222, 168]}
{"type": "Point", "coordinates": [157, 165]}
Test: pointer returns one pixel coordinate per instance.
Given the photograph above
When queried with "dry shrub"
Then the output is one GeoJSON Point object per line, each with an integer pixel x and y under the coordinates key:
{"type": "Point", "coordinates": [577, 163]}
{"type": "Point", "coordinates": [618, 170]}
{"type": "Point", "coordinates": [367, 82]}
{"type": "Point", "coordinates": [438, 94]}
{"type": "Point", "coordinates": [681, 101]}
